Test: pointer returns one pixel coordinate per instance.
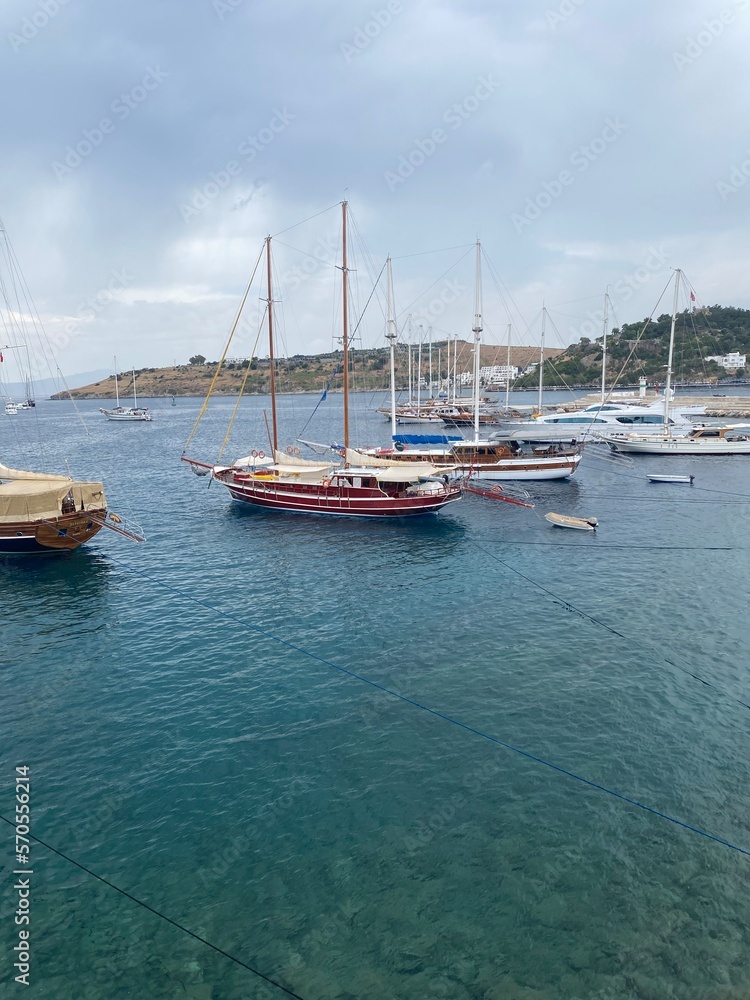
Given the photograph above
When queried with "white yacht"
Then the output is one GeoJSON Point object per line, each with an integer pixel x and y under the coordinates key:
{"type": "Point", "coordinates": [612, 418]}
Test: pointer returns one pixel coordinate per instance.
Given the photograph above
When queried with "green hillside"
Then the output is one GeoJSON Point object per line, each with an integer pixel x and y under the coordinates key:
{"type": "Point", "coordinates": [714, 330]}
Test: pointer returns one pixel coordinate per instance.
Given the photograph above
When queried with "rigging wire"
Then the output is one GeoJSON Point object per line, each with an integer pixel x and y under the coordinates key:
{"type": "Point", "coordinates": [158, 913]}
{"type": "Point", "coordinates": [448, 718]}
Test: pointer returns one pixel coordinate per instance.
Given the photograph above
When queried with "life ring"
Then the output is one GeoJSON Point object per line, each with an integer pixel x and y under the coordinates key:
{"type": "Point", "coordinates": [115, 518]}
{"type": "Point", "coordinates": [326, 483]}
{"type": "Point", "coordinates": [253, 453]}
{"type": "Point", "coordinates": [295, 451]}
{"type": "Point", "coordinates": [261, 454]}
{"type": "Point", "coordinates": [289, 450]}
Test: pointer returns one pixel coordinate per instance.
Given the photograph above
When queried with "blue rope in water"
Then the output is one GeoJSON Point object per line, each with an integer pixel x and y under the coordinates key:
{"type": "Point", "coordinates": [434, 712]}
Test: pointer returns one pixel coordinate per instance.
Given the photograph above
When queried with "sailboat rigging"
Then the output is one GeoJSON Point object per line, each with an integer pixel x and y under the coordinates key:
{"type": "Point", "coordinates": [126, 413]}
{"type": "Point", "coordinates": [287, 483]}
{"type": "Point", "coordinates": [42, 512]}
{"type": "Point", "coordinates": [733, 439]}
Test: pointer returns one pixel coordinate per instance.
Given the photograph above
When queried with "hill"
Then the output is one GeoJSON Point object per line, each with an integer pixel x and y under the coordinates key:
{"type": "Point", "coordinates": [300, 373]}
{"type": "Point", "coordinates": [714, 330]}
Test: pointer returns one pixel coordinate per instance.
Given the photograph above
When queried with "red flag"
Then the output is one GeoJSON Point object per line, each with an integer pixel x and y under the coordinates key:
{"type": "Point", "coordinates": [692, 297]}
{"type": "Point", "coordinates": [1, 357]}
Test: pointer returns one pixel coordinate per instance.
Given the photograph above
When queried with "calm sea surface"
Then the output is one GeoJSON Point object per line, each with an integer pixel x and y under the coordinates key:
{"type": "Point", "coordinates": [192, 741]}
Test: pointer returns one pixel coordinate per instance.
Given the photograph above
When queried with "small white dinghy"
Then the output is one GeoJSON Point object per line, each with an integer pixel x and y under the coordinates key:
{"type": "Point", "coordinates": [657, 477]}
{"type": "Point", "coordinates": [578, 523]}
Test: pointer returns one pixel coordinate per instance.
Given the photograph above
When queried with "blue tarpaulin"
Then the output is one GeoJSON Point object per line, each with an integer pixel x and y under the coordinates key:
{"type": "Point", "coordinates": [426, 438]}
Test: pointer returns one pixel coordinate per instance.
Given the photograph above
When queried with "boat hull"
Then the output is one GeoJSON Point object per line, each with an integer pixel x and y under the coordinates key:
{"type": "Point", "coordinates": [336, 500]}
{"type": "Point", "coordinates": [681, 446]}
{"type": "Point", "coordinates": [59, 534]}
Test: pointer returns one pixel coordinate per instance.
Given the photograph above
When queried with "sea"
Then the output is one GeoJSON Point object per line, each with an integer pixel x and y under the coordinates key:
{"type": "Point", "coordinates": [465, 757]}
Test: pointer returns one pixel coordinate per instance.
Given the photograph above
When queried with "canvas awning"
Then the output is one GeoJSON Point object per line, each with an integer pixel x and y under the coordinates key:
{"type": "Point", "coordinates": [41, 499]}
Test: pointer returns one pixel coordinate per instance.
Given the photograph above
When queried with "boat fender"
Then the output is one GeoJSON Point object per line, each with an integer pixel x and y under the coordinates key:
{"type": "Point", "coordinates": [115, 518]}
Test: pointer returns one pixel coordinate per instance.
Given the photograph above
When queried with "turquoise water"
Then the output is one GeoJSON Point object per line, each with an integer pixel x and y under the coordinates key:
{"type": "Point", "coordinates": [191, 742]}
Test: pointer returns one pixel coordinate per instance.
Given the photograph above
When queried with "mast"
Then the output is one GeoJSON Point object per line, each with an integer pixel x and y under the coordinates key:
{"type": "Point", "coordinates": [419, 374]}
{"type": "Point", "coordinates": [135, 398]}
{"type": "Point", "coordinates": [391, 338]}
{"type": "Point", "coordinates": [677, 276]}
{"type": "Point", "coordinates": [477, 331]}
{"type": "Point", "coordinates": [272, 368]}
{"type": "Point", "coordinates": [430, 364]}
{"type": "Point", "coordinates": [411, 392]}
{"type": "Point", "coordinates": [604, 346]}
{"type": "Point", "coordinates": [455, 367]}
{"type": "Point", "coordinates": [345, 307]}
{"type": "Point", "coordinates": [448, 370]}
{"type": "Point", "coordinates": [117, 391]}
{"type": "Point", "coordinates": [541, 360]}
{"type": "Point", "coordinates": [507, 374]}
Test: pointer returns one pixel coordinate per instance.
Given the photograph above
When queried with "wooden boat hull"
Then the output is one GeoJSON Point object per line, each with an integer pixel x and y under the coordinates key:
{"type": "Point", "coordinates": [59, 534]}
{"type": "Point", "coordinates": [341, 501]}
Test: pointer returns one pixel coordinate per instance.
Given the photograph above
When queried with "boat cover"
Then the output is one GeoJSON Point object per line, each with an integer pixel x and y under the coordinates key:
{"type": "Point", "coordinates": [42, 499]}
{"type": "Point", "coordinates": [426, 438]}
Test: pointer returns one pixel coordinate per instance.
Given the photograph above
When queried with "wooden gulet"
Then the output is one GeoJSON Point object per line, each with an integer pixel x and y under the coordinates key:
{"type": "Point", "coordinates": [281, 484]}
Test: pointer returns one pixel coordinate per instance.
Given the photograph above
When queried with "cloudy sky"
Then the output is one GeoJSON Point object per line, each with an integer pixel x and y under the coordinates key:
{"type": "Point", "coordinates": [147, 149]}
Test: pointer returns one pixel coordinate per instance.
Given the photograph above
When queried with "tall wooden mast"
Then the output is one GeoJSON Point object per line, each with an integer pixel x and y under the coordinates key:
{"type": "Point", "coordinates": [269, 301]}
{"type": "Point", "coordinates": [345, 307]}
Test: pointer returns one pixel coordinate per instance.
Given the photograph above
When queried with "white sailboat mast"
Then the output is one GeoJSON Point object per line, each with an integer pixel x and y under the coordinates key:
{"type": "Point", "coordinates": [604, 346]}
{"type": "Point", "coordinates": [272, 368]}
{"type": "Point", "coordinates": [477, 331]}
{"type": "Point", "coordinates": [668, 385]}
{"type": "Point", "coordinates": [419, 373]}
{"type": "Point", "coordinates": [541, 359]}
{"type": "Point", "coordinates": [135, 398]}
{"type": "Point", "coordinates": [507, 374]}
{"type": "Point", "coordinates": [430, 336]}
{"type": "Point", "coordinates": [391, 337]}
{"type": "Point", "coordinates": [345, 309]}
{"type": "Point", "coordinates": [117, 391]}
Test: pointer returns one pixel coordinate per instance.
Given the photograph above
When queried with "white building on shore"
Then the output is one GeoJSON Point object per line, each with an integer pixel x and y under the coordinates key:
{"type": "Point", "coordinates": [732, 360]}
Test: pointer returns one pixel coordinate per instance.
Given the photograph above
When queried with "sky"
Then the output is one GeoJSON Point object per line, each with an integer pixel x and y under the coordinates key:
{"type": "Point", "coordinates": [149, 148]}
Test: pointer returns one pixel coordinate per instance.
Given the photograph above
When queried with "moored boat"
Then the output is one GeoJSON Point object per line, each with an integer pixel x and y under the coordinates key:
{"type": "Point", "coordinates": [346, 489]}
{"type": "Point", "coordinates": [660, 477]}
{"type": "Point", "coordinates": [567, 521]}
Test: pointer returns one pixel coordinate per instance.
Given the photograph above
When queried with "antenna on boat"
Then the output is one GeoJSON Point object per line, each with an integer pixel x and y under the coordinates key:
{"type": "Point", "coordinates": [477, 331]}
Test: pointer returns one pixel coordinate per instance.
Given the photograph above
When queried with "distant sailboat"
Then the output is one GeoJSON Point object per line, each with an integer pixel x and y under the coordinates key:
{"type": "Point", "coordinates": [134, 412]}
